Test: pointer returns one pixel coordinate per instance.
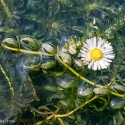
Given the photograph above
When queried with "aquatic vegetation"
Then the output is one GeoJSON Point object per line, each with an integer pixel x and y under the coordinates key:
{"type": "Point", "coordinates": [62, 62]}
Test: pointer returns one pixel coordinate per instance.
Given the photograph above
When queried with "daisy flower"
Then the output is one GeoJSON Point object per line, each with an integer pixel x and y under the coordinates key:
{"type": "Point", "coordinates": [96, 53]}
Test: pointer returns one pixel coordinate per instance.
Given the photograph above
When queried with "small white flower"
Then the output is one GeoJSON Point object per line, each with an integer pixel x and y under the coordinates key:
{"type": "Point", "coordinates": [96, 53]}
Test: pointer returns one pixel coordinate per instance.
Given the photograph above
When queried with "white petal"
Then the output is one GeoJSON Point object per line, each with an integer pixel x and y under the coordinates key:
{"type": "Point", "coordinates": [106, 44]}
{"type": "Point", "coordinates": [85, 45]}
{"type": "Point", "coordinates": [89, 43]}
{"type": "Point", "coordinates": [85, 50]}
{"type": "Point", "coordinates": [90, 66]}
{"type": "Point", "coordinates": [109, 56]}
{"type": "Point", "coordinates": [108, 53]}
{"type": "Point", "coordinates": [107, 49]}
{"type": "Point", "coordinates": [102, 64]}
{"type": "Point", "coordinates": [82, 51]}
{"type": "Point", "coordinates": [85, 56]}
{"type": "Point", "coordinates": [95, 66]}
{"type": "Point", "coordinates": [100, 43]}
{"type": "Point", "coordinates": [106, 63]}
{"type": "Point", "coordinates": [98, 65]}
{"type": "Point", "coordinates": [107, 60]}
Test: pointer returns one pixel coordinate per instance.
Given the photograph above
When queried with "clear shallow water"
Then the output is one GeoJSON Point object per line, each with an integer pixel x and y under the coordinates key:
{"type": "Point", "coordinates": [33, 79]}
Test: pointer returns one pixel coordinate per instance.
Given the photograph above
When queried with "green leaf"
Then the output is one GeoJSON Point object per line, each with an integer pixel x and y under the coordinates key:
{"type": "Point", "coordinates": [117, 118]}
{"type": "Point", "coordinates": [78, 28]}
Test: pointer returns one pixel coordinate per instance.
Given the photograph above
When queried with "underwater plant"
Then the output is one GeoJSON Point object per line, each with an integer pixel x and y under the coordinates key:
{"type": "Point", "coordinates": [62, 62]}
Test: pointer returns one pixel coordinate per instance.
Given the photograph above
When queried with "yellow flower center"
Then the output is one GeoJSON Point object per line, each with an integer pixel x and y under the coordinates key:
{"type": "Point", "coordinates": [96, 54]}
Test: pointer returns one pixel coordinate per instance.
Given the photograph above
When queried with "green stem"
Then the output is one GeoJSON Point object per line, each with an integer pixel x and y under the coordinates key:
{"type": "Point", "coordinates": [6, 9]}
{"type": "Point", "coordinates": [69, 113]}
{"type": "Point", "coordinates": [116, 94]}
{"type": "Point", "coordinates": [26, 51]}
{"type": "Point", "coordinates": [115, 27]}
{"type": "Point", "coordinates": [8, 80]}
{"type": "Point", "coordinates": [78, 75]}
